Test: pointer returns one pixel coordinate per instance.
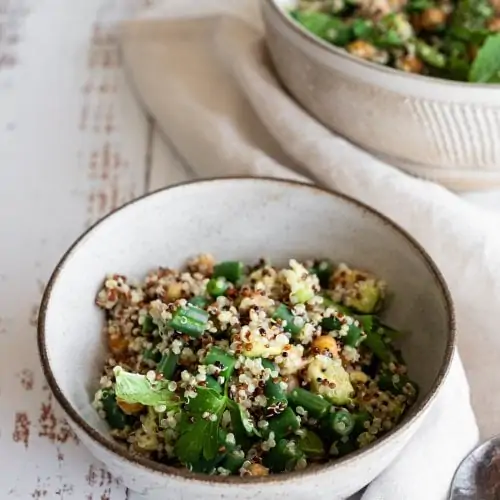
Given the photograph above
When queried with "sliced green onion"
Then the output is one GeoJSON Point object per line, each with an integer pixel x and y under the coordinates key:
{"type": "Point", "coordinates": [190, 320]}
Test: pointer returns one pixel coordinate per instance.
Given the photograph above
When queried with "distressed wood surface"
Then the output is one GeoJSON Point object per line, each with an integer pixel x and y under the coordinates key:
{"type": "Point", "coordinates": [73, 146]}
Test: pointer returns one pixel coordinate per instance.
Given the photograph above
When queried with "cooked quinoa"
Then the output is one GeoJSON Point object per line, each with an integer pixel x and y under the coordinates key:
{"type": "Point", "coordinates": [451, 39]}
{"type": "Point", "coordinates": [229, 369]}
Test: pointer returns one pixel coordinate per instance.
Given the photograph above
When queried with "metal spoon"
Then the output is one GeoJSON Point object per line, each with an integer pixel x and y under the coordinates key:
{"type": "Point", "coordinates": [478, 476]}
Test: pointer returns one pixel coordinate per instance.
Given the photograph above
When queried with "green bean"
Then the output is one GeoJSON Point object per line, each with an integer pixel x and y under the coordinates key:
{"type": "Point", "coordinates": [233, 461]}
{"type": "Point", "coordinates": [190, 320]}
{"type": "Point", "coordinates": [374, 340]}
{"type": "Point", "coordinates": [283, 457]}
{"type": "Point", "coordinates": [344, 447]}
{"type": "Point", "coordinates": [430, 55]}
{"type": "Point", "coordinates": [283, 424]}
{"type": "Point", "coordinates": [114, 416]}
{"type": "Point", "coordinates": [341, 423]}
{"type": "Point", "coordinates": [397, 384]}
{"type": "Point", "coordinates": [148, 325]}
{"type": "Point", "coordinates": [273, 390]}
{"type": "Point", "coordinates": [152, 354]}
{"type": "Point", "coordinates": [315, 405]}
{"type": "Point", "coordinates": [323, 270]}
{"type": "Point", "coordinates": [199, 301]}
{"type": "Point", "coordinates": [294, 324]}
{"type": "Point", "coordinates": [360, 420]}
{"type": "Point", "coordinates": [221, 359]}
{"type": "Point", "coordinates": [355, 334]}
{"type": "Point", "coordinates": [217, 287]}
{"type": "Point", "coordinates": [231, 270]}
{"type": "Point", "coordinates": [167, 365]}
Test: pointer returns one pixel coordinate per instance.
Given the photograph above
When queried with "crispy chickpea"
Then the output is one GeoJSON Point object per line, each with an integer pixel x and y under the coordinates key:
{"type": "Point", "coordinates": [325, 343]}
{"type": "Point", "coordinates": [432, 19]}
{"type": "Point", "coordinates": [117, 344]}
{"type": "Point", "coordinates": [363, 49]}
{"type": "Point", "coordinates": [411, 64]}
{"type": "Point", "coordinates": [129, 408]}
{"type": "Point", "coordinates": [173, 292]}
{"type": "Point", "coordinates": [494, 24]}
{"type": "Point", "coordinates": [257, 470]}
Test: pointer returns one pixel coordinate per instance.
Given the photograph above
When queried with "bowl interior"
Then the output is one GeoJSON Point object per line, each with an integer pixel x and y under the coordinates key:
{"type": "Point", "coordinates": [237, 219]}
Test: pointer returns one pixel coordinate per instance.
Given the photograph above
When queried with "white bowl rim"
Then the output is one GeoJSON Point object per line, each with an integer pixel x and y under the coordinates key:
{"type": "Point", "coordinates": [332, 49]}
{"type": "Point", "coordinates": [181, 473]}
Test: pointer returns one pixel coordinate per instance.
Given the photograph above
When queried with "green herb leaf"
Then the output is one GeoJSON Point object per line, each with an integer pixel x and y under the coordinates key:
{"type": "Point", "coordinates": [199, 430]}
{"type": "Point", "coordinates": [136, 388]}
{"type": "Point", "coordinates": [486, 66]}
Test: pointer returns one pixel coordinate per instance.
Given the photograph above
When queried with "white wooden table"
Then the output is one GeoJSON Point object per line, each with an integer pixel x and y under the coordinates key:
{"type": "Point", "coordinates": [73, 146]}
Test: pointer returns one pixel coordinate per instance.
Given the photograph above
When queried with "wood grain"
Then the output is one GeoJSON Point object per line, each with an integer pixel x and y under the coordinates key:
{"type": "Point", "coordinates": [73, 146]}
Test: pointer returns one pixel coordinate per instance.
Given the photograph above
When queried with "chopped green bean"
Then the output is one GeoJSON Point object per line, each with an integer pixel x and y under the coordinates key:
{"type": "Point", "coordinates": [217, 287]}
{"type": "Point", "coordinates": [284, 456]}
{"type": "Point", "coordinates": [294, 324]}
{"type": "Point", "coordinates": [167, 365]}
{"type": "Point", "coordinates": [316, 406]}
{"type": "Point", "coordinates": [114, 416]}
{"type": "Point", "coordinates": [199, 301]}
{"type": "Point", "coordinates": [283, 424]}
{"type": "Point", "coordinates": [273, 390]}
{"type": "Point", "coordinates": [148, 325]}
{"type": "Point", "coordinates": [231, 270]}
{"type": "Point", "coordinates": [190, 320]}
{"type": "Point", "coordinates": [340, 422]}
{"type": "Point", "coordinates": [221, 359]}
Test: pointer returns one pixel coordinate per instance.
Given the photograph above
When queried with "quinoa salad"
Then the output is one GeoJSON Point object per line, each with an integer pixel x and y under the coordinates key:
{"type": "Point", "coordinates": [450, 39]}
{"type": "Point", "coordinates": [228, 369]}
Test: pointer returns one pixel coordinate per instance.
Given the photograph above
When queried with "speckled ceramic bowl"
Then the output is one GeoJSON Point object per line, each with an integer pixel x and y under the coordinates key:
{"type": "Point", "coordinates": [437, 129]}
{"type": "Point", "coordinates": [243, 218]}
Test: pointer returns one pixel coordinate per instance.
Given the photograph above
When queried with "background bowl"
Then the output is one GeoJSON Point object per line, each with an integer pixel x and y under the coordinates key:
{"type": "Point", "coordinates": [437, 129]}
{"type": "Point", "coordinates": [243, 219]}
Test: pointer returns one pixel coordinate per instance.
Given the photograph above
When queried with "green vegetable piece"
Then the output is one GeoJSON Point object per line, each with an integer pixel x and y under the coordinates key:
{"type": "Point", "coordinates": [431, 56]}
{"type": "Point", "coordinates": [220, 358]}
{"type": "Point", "coordinates": [190, 320]}
{"type": "Point", "coordinates": [213, 384]}
{"type": "Point", "coordinates": [363, 29]}
{"type": "Point", "coordinates": [273, 390]}
{"type": "Point", "coordinates": [167, 365]}
{"type": "Point", "coordinates": [397, 384]}
{"type": "Point", "coordinates": [323, 270]}
{"type": "Point", "coordinates": [374, 341]}
{"type": "Point", "coordinates": [316, 406]}
{"type": "Point", "coordinates": [114, 415]}
{"type": "Point", "coordinates": [233, 461]}
{"type": "Point", "coordinates": [136, 388]}
{"type": "Point", "coordinates": [231, 270]}
{"type": "Point", "coordinates": [199, 301]}
{"type": "Point", "coordinates": [344, 447]}
{"type": "Point", "coordinates": [283, 424]}
{"type": "Point", "coordinates": [199, 437]}
{"type": "Point", "coordinates": [341, 422]}
{"type": "Point", "coordinates": [284, 456]}
{"type": "Point", "coordinates": [331, 324]}
{"type": "Point", "coordinates": [419, 5]}
{"type": "Point", "coordinates": [241, 424]}
{"type": "Point", "coordinates": [360, 419]}
{"type": "Point", "coordinates": [469, 20]}
{"type": "Point", "coordinates": [330, 28]}
{"type": "Point", "coordinates": [152, 354]}
{"type": "Point", "coordinates": [312, 445]}
{"type": "Point", "coordinates": [486, 66]}
{"type": "Point", "coordinates": [217, 287]}
{"type": "Point", "coordinates": [294, 324]}
{"type": "Point", "coordinates": [148, 325]}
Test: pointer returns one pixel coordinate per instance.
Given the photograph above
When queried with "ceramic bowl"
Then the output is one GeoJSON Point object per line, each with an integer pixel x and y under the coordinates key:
{"type": "Point", "coordinates": [239, 218]}
{"type": "Point", "coordinates": [437, 129]}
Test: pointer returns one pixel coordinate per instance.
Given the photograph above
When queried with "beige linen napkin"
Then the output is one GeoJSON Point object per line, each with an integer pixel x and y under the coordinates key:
{"type": "Point", "coordinates": [200, 68]}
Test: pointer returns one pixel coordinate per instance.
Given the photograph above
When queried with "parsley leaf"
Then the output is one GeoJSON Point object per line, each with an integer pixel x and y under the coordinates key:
{"type": "Point", "coordinates": [136, 388]}
{"type": "Point", "coordinates": [486, 66]}
{"type": "Point", "coordinates": [199, 427]}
